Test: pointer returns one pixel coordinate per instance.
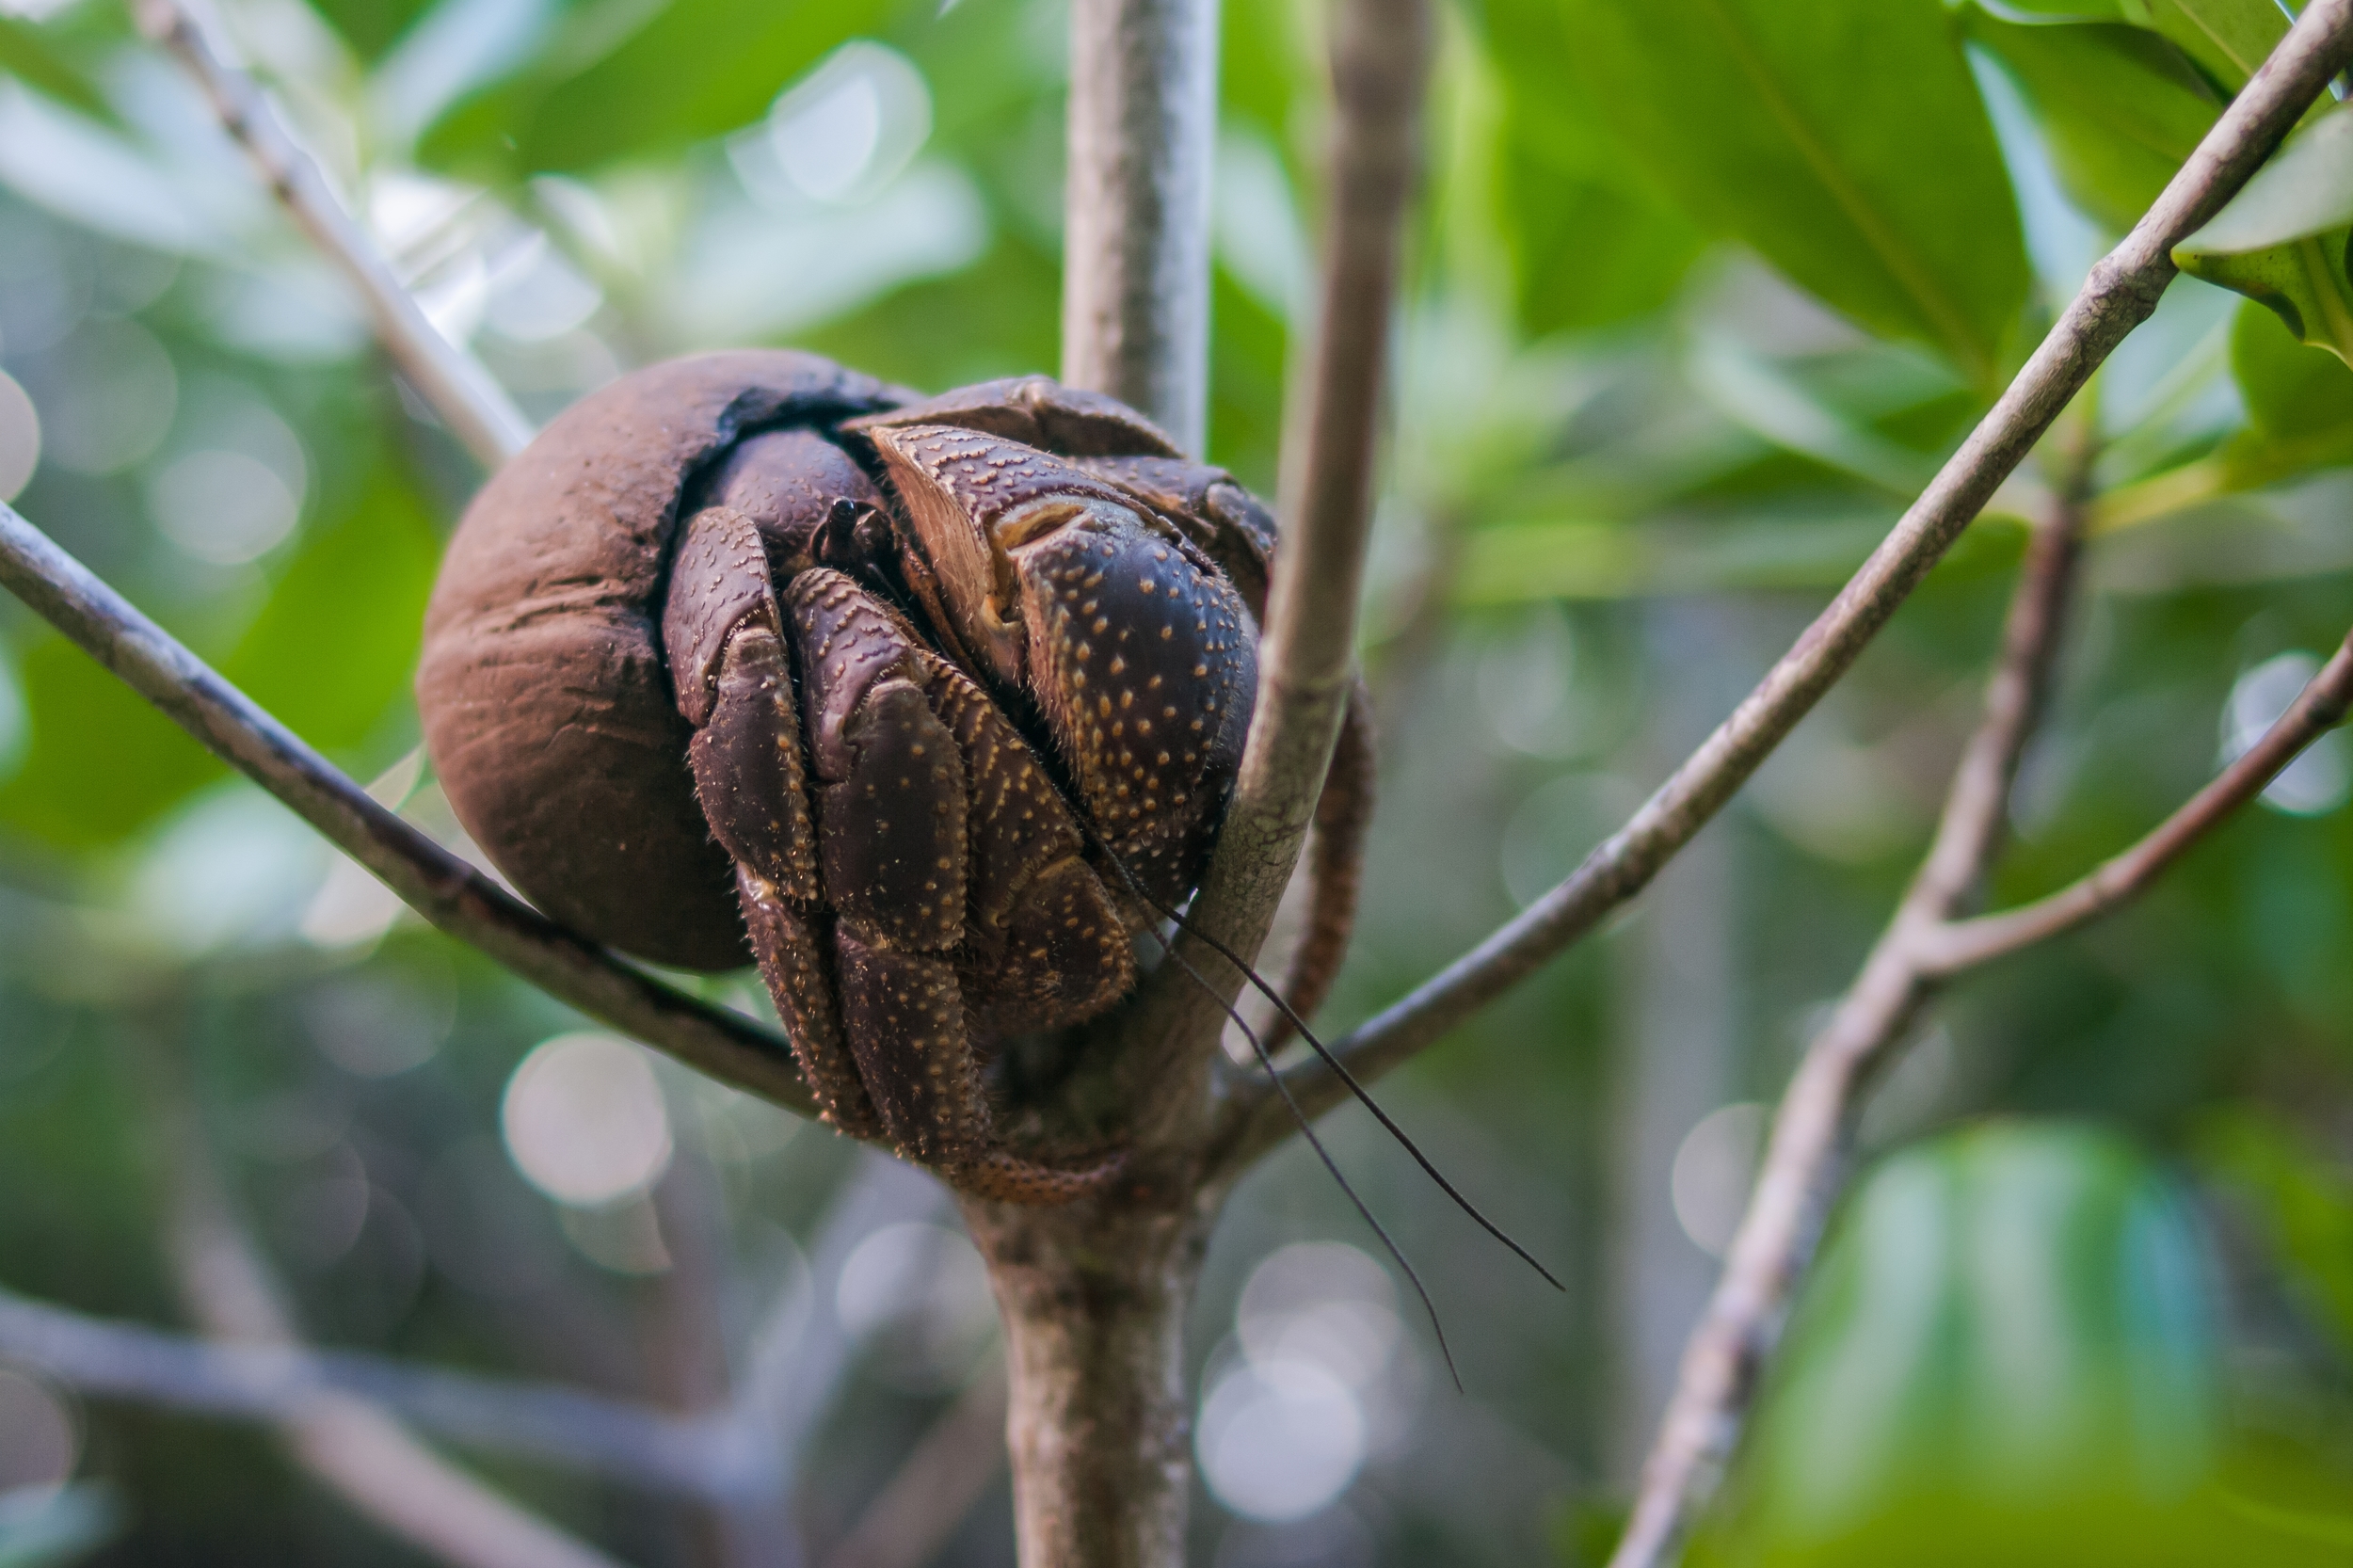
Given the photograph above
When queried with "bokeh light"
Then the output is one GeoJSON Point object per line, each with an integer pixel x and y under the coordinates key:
{"type": "Point", "coordinates": [20, 438]}
{"type": "Point", "coordinates": [1284, 1431]}
{"type": "Point", "coordinates": [39, 1440]}
{"type": "Point", "coordinates": [584, 1120]}
{"type": "Point", "coordinates": [919, 1293]}
{"type": "Point", "coordinates": [1714, 1167]}
{"type": "Point", "coordinates": [2316, 782]}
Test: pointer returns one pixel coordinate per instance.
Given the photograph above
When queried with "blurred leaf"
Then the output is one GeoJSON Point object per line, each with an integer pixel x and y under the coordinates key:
{"type": "Point", "coordinates": [1592, 243]}
{"type": "Point", "coordinates": [2282, 240]}
{"type": "Point", "coordinates": [1843, 139]}
{"type": "Point", "coordinates": [329, 652]}
{"type": "Point", "coordinates": [372, 27]}
{"type": "Point", "coordinates": [2007, 1354]}
{"type": "Point", "coordinates": [26, 55]}
{"type": "Point", "coordinates": [2302, 1201]}
{"type": "Point", "coordinates": [2228, 39]}
{"type": "Point", "coordinates": [624, 80]}
{"type": "Point", "coordinates": [45, 1528]}
{"type": "Point", "coordinates": [334, 644]}
{"type": "Point", "coordinates": [2120, 107]}
{"type": "Point", "coordinates": [2293, 394]}
{"type": "Point", "coordinates": [101, 762]}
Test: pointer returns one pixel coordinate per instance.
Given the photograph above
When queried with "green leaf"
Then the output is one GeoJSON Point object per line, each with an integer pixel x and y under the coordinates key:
{"type": "Point", "coordinates": [1592, 243]}
{"type": "Point", "coordinates": [2228, 39]}
{"type": "Point", "coordinates": [28, 56]}
{"type": "Point", "coordinates": [2120, 107]}
{"type": "Point", "coordinates": [2281, 241]}
{"type": "Point", "coordinates": [2292, 393]}
{"type": "Point", "coordinates": [1842, 138]}
{"type": "Point", "coordinates": [626, 78]}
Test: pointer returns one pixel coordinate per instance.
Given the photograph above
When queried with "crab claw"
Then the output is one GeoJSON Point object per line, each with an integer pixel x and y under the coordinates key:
{"type": "Point", "coordinates": [1134, 647]}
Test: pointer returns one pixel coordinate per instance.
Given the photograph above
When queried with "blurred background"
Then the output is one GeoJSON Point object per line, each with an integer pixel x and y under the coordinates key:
{"type": "Point", "coordinates": [2092, 1297]}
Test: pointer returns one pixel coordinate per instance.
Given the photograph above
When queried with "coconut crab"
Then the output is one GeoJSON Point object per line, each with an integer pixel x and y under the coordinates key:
{"type": "Point", "coordinates": [938, 700]}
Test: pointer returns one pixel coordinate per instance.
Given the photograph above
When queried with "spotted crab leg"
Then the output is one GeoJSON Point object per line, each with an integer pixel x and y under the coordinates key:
{"type": "Point", "coordinates": [1230, 526]}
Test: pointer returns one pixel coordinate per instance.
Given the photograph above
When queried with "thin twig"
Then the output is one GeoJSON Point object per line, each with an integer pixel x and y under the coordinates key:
{"type": "Point", "coordinates": [936, 1486]}
{"type": "Point", "coordinates": [1800, 1176]}
{"type": "Point", "coordinates": [1380, 61]}
{"type": "Point", "coordinates": [474, 407]}
{"type": "Point", "coordinates": [2119, 295]}
{"type": "Point", "coordinates": [349, 1445]}
{"type": "Point", "coordinates": [104, 1358]}
{"type": "Point", "coordinates": [1142, 135]}
{"type": "Point", "coordinates": [2321, 706]}
{"type": "Point", "coordinates": [449, 893]}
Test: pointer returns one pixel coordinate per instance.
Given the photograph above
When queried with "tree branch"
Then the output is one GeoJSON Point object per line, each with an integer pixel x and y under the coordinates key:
{"type": "Point", "coordinates": [449, 893]}
{"type": "Point", "coordinates": [1379, 58]}
{"type": "Point", "coordinates": [1967, 944]}
{"type": "Point", "coordinates": [911, 1518]}
{"type": "Point", "coordinates": [2119, 295]}
{"type": "Point", "coordinates": [1143, 138]}
{"type": "Point", "coordinates": [278, 1383]}
{"type": "Point", "coordinates": [1800, 1177]}
{"type": "Point", "coordinates": [474, 407]}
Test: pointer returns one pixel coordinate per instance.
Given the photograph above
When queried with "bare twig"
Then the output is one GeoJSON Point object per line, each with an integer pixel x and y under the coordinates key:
{"type": "Point", "coordinates": [936, 1486]}
{"type": "Point", "coordinates": [2120, 293]}
{"type": "Point", "coordinates": [1143, 135]}
{"type": "Point", "coordinates": [1379, 58]}
{"type": "Point", "coordinates": [274, 1383]}
{"type": "Point", "coordinates": [349, 1445]}
{"type": "Point", "coordinates": [475, 408]}
{"type": "Point", "coordinates": [449, 893]}
{"type": "Point", "coordinates": [1800, 1176]}
{"type": "Point", "coordinates": [2321, 706]}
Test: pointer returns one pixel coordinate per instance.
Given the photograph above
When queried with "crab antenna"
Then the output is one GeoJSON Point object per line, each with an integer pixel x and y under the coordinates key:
{"type": "Point", "coordinates": [1363, 1094]}
{"type": "Point", "coordinates": [1389, 1243]}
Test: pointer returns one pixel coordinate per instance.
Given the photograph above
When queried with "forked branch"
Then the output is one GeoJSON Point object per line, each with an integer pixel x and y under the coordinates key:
{"type": "Point", "coordinates": [2321, 706]}
{"type": "Point", "coordinates": [1769, 1255]}
{"type": "Point", "coordinates": [475, 408]}
{"type": "Point", "coordinates": [447, 891]}
{"type": "Point", "coordinates": [1380, 61]}
{"type": "Point", "coordinates": [2118, 296]}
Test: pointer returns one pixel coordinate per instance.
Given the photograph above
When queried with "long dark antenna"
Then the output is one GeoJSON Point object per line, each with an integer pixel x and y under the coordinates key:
{"type": "Point", "coordinates": [1363, 1094]}
{"type": "Point", "coordinates": [1267, 1061]}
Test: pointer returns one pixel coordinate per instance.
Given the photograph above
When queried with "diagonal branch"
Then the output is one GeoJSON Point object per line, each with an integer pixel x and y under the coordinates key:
{"type": "Point", "coordinates": [2117, 297]}
{"type": "Point", "coordinates": [2320, 708]}
{"type": "Point", "coordinates": [1143, 135]}
{"type": "Point", "coordinates": [475, 408]}
{"type": "Point", "coordinates": [1800, 1177]}
{"type": "Point", "coordinates": [449, 893]}
{"type": "Point", "coordinates": [1380, 59]}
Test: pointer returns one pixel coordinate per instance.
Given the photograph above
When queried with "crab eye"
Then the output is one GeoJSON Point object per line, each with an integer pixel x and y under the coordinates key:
{"type": "Point", "coordinates": [1033, 521]}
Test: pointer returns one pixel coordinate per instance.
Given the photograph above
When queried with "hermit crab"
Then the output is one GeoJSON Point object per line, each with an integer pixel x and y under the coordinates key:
{"type": "Point", "coordinates": [929, 706]}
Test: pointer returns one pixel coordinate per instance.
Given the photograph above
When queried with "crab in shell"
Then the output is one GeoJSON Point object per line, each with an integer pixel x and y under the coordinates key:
{"type": "Point", "coordinates": [938, 700]}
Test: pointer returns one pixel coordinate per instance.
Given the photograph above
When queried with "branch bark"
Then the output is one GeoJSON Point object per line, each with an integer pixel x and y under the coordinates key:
{"type": "Point", "coordinates": [2118, 296]}
{"type": "Point", "coordinates": [1142, 139]}
{"type": "Point", "coordinates": [449, 893]}
{"type": "Point", "coordinates": [1800, 1177]}
{"type": "Point", "coordinates": [2321, 706]}
{"type": "Point", "coordinates": [474, 407]}
{"type": "Point", "coordinates": [1379, 58]}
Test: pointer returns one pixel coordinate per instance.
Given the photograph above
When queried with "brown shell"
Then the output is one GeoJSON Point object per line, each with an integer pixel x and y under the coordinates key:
{"type": "Point", "coordinates": [545, 702]}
